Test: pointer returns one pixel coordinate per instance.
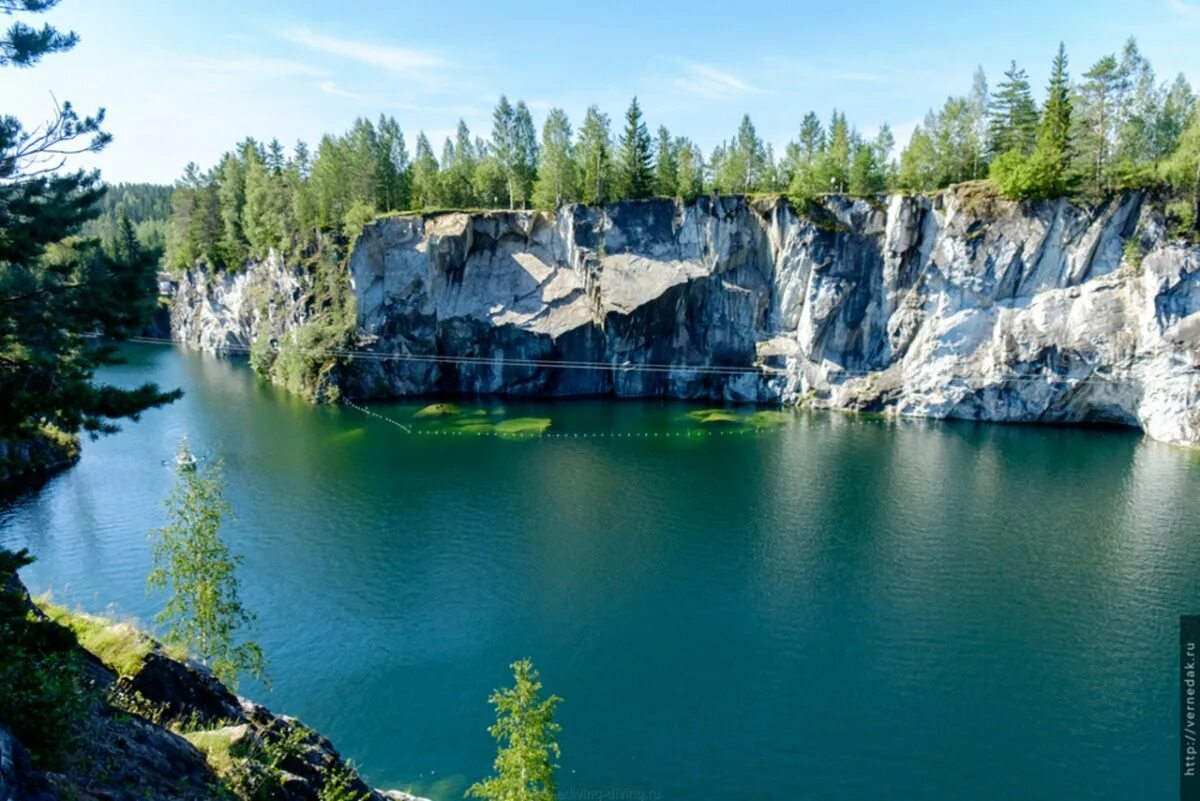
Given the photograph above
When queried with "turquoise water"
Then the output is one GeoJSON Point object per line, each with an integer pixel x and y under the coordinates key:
{"type": "Point", "coordinates": [835, 608]}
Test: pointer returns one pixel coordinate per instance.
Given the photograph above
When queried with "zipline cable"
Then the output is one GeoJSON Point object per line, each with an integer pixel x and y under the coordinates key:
{"type": "Point", "coordinates": [703, 369]}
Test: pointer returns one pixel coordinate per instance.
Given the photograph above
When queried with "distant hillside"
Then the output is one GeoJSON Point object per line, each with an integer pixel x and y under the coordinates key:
{"type": "Point", "coordinates": [148, 207]}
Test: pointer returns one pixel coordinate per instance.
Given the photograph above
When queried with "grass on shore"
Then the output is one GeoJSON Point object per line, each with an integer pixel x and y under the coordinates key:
{"type": "Point", "coordinates": [120, 645]}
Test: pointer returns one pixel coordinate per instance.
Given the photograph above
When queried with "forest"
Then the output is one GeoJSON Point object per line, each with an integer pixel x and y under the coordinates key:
{"type": "Point", "coordinates": [1115, 127]}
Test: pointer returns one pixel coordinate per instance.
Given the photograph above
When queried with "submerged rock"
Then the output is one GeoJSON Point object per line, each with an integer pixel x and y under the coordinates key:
{"type": "Point", "coordinates": [959, 305]}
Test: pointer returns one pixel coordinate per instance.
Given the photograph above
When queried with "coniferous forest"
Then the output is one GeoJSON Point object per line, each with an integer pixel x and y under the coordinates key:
{"type": "Point", "coordinates": [1112, 127]}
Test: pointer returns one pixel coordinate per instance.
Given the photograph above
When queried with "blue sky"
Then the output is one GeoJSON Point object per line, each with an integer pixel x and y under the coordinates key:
{"type": "Point", "coordinates": [184, 81]}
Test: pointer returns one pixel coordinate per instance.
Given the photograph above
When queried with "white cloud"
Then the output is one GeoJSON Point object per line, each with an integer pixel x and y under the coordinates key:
{"type": "Point", "coordinates": [706, 81]}
{"type": "Point", "coordinates": [250, 66]}
{"type": "Point", "coordinates": [331, 88]}
{"type": "Point", "coordinates": [1185, 9]}
{"type": "Point", "coordinates": [403, 60]}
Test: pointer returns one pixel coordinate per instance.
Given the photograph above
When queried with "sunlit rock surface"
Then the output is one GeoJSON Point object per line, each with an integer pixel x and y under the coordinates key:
{"type": "Point", "coordinates": [953, 305]}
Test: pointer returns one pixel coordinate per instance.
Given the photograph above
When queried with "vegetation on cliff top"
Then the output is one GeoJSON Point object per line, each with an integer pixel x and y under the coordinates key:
{"type": "Point", "coordinates": [1115, 128]}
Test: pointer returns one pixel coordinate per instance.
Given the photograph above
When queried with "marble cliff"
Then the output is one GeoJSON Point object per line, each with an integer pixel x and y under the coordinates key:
{"type": "Point", "coordinates": [955, 305]}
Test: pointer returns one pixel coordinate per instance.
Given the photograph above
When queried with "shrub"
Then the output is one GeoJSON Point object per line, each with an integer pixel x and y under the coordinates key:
{"type": "Point", "coordinates": [45, 692]}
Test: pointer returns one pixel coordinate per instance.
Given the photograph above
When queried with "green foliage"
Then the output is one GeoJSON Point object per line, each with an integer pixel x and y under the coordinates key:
{"type": "Point", "coordinates": [46, 693]}
{"type": "Point", "coordinates": [204, 612]}
{"type": "Point", "coordinates": [120, 646]}
{"type": "Point", "coordinates": [635, 175]}
{"type": "Point", "coordinates": [250, 767]}
{"type": "Point", "coordinates": [147, 207]}
{"type": "Point", "coordinates": [357, 217]}
{"type": "Point", "coordinates": [339, 786]}
{"type": "Point", "coordinates": [594, 152]}
{"type": "Point", "coordinates": [57, 290]}
{"type": "Point", "coordinates": [558, 179]}
{"type": "Point", "coordinates": [23, 45]}
{"type": "Point", "coordinates": [262, 353]}
{"type": "Point", "coordinates": [525, 733]}
{"type": "Point", "coordinates": [1013, 114]}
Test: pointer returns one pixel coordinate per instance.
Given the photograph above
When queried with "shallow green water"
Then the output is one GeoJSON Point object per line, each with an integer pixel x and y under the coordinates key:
{"type": "Point", "coordinates": [831, 608]}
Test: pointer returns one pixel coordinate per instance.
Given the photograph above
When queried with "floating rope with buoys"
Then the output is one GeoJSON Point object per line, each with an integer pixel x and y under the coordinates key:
{"type": "Point", "coordinates": [740, 425]}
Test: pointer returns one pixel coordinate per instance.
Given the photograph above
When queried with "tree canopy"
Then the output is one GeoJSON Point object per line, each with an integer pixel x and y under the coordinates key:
{"type": "Point", "coordinates": [62, 294]}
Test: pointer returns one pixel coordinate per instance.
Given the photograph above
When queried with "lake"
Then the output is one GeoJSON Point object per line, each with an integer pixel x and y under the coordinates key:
{"type": "Point", "coordinates": [819, 606]}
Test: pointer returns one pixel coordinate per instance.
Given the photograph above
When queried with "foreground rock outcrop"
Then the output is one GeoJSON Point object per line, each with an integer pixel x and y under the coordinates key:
{"type": "Point", "coordinates": [168, 729]}
{"type": "Point", "coordinates": [956, 305]}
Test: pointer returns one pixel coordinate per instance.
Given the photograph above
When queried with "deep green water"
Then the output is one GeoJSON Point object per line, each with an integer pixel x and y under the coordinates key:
{"type": "Point", "coordinates": [836, 609]}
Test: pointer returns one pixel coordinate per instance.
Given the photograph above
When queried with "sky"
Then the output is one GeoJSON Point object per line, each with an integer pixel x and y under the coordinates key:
{"type": "Point", "coordinates": [185, 81]}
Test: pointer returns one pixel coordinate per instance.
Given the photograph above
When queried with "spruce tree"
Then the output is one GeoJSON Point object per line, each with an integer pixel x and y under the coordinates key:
{"type": "Point", "coordinates": [556, 176]}
{"type": "Point", "coordinates": [594, 153]}
{"type": "Point", "coordinates": [502, 145]}
{"type": "Point", "coordinates": [425, 179]}
{"type": "Point", "coordinates": [690, 181]}
{"type": "Point", "coordinates": [666, 165]}
{"type": "Point", "coordinates": [1101, 98]}
{"type": "Point", "coordinates": [1012, 114]}
{"type": "Point", "coordinates": [1053, 153]}
{"type": "Point", "coordinates": [635, 175]}
{"type": "Point", "coordinates": [525, 154]}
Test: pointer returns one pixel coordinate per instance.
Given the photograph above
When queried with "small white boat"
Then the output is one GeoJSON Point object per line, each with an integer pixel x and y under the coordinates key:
{"type": "Point", "coordinates": [184, 459]}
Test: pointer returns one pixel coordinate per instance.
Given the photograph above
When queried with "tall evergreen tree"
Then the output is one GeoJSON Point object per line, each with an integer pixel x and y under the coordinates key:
{"type": "Point", "coordinates": [503, 146]}
{"type": "Point", "coordinates": [666, 164]}
{"type": "Point", "coordinates": [1012, 114]}
{"type": "Point", "coordinates": [57, 293]}
{"type": "Point", "coordinates": [690, 161]}
{"type": "Point", "coordinates": [978, 116]}
{"type": "Point", "coordinates": [1101, 95]}
{"type": "Point", "coordinates": [594, 152]}
{"type": "Point", "coordinates": [425, 192]}
{"type": "Point", "coordinates": [556, 182]}
{"type": "Point", "coordinates": [1053, 154]}
{"type": "Point", "coordinates": [525, 153]}
{"type": "Point", "coordinates": [635, 176]}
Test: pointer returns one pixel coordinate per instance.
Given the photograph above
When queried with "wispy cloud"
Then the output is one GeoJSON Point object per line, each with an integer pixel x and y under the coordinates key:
{"type": "Point", "coordinates": [403, 60]}
{"type": "Point", "coordinates": [1188, 10]}
{"type": "Point", "coordinates": [331, 88]}
{"type": "Point", "coordinates": [706, 81]}
{"type": "Point", "coordinates": [250, 66]}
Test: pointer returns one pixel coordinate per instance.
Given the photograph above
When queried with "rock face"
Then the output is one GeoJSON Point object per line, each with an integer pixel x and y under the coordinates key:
{"type": "Point", "coordinates": [955, 305]}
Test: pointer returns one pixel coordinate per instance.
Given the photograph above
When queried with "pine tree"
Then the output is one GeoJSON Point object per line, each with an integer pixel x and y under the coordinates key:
{"type": "Point", "coordinates": [802, 157]}
{"type": "Point", "coordinates": [1012, 115]}
{"type": "Point", "coordinates": [635, 177]}
{"type": "Point", "coordinates": [556, 182]}
{"type": "Point", "coordinates": [1101, 96]}
{"type": "Point", "coordinates": [833, 167]}
{"type": "Point", "coordinates": [978, 106]}
{"type": "Point", "coordinates": [459, 160]}
{"type": "Point", "coordinates": [1053, 154]}
{"type": "Point", "coordinates": [61, 297]}
{"type": "Point", "coordinates": [231, 197]}
{"type": "Point", "coordinates": [394, 170]}
{"type": "Point", "coordinates": [666, 165]}
{"type": "Point", "coordinates": [425, 191]}
{"type": "Point", "coordinates": [525, 734]}
{"type": "Point", "coordinates": [594, 152]}
{"type": "Point", "coordinates": [503, 146]}
{"type": "Point", "coordinates": [690, 181]}
{"type": "Point", "coordinates": [525, 153]}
